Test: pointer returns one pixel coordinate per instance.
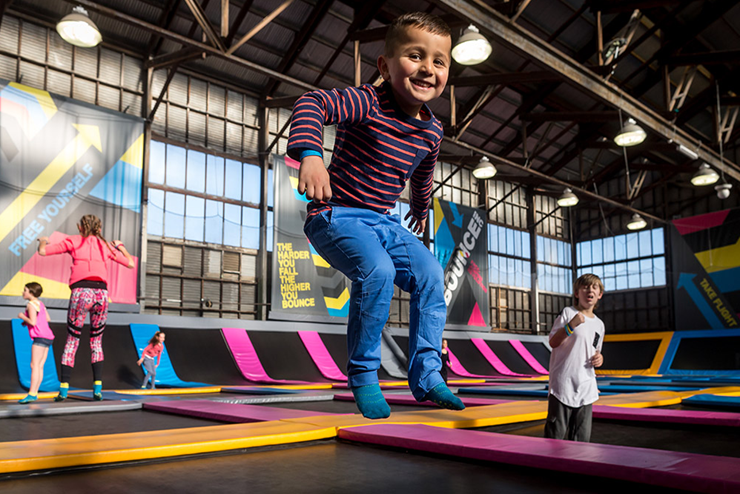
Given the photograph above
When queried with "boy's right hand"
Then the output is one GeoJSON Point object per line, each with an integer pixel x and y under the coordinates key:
{"type": "Point", "coordinates": [577, 319]}
{"type": "Point", "coordinates": [313, 179]}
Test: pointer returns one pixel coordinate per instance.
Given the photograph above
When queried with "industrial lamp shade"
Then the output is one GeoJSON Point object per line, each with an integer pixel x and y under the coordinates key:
{"type": "Point", "coordinates": [568, 199]}
{"type": "Point", "coordinates": [636, 223]}
{"type": "Point", "coordinates": [484, 169]}
{"type": "Point", "coordinates": [472, 48]}
{"type": "Point", "coordinates": [630, 135]}
{"type": "Point", "coordinates": [705, 176]}
{"type": "Point", "coordinates": [77, 29]}
{"type": "Point", "coordinates": [723, 190]}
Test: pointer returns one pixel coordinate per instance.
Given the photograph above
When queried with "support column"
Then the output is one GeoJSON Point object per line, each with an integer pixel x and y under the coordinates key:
{"type": "Point", "coordinates": [263, 273]}
{"type": "Point", "coordinates": [534, 303]}
{"type": "Point", "coordinates": [145, 110]}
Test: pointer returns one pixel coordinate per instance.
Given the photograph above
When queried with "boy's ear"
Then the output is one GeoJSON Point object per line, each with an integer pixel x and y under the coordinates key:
{"type": "Point", "coordinates": [383, 68]}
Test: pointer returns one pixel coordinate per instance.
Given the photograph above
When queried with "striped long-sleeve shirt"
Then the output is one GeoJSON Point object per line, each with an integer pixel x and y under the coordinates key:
{"type": "Point", "coordinates": [378, 147]}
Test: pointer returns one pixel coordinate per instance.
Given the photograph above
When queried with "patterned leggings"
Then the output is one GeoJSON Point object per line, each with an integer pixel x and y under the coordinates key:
{"type": "Point", "coordinates": [82, 301]}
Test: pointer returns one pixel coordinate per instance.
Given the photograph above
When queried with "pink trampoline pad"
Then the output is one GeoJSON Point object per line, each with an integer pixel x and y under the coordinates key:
{"type": "Point", "coordinates": [702, 473]}
{"type": "Point", "coordinates": [695, 417]}
{"type": "Point", "coordinates": [229, 412]}
{"type": "Point", "coordinates": [399, 399]}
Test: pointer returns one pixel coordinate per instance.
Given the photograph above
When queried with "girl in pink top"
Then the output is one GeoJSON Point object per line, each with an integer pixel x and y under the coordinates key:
{"type": "Point", "coordinates": [36, 318]}
{"type": "Point", "coordinates": [153, 349]}
{"type": "Point", "coordinates": [91, 256]}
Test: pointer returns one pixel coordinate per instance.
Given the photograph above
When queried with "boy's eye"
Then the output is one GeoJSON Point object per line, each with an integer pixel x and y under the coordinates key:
{"type": "Point", "coordinates": [439, 62]}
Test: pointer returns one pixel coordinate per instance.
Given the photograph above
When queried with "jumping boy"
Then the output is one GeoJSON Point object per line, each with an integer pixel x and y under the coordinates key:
{"type": "Point", "coordinates": [386, 136]}
{"type": "Point", "coordinates": [576, 339]}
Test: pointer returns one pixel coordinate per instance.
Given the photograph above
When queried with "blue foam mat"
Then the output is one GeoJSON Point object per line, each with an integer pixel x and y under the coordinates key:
{"type": "Point", "coordinates": [166, 375]}
{"type": "Point", "coordinates": [515, 392]}
{"type": "Point", "coordinates": [623, 388]}
{"type": "Point", "coordinates": [22, 343]}
{"type": "Point", "coordinates": [713, 400]}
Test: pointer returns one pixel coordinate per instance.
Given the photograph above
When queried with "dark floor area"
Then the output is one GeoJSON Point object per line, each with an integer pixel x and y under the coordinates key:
{"type": "Point", "coordinates": [319, 467]}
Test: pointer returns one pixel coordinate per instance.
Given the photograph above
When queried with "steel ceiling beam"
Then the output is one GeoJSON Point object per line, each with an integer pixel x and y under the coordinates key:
{"type": "Point", "coordinates": [498, 160]}
{"type": "Point", "coordinates": [505, 78]}
{"type": "Point", "coordinates": [493, 24]}
{"type": "Point", "coordinates": [185, 41]}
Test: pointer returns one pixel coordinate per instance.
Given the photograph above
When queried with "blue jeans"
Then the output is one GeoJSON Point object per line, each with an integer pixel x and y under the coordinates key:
{"type": "Point", "coordinates": [374, 251]}
{"type": "Point", "coordinates": [151, 371]}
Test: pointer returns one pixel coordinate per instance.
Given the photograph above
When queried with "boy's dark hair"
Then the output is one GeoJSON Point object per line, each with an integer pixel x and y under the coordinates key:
{"type": "Point", "coordinates": [35, 289]}
{"type": "Point", "coordinates": [421, 20]}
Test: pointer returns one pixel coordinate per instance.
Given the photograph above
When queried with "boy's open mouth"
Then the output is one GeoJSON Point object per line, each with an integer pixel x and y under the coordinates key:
{"type": "Point", "coordinates": [421, 84]}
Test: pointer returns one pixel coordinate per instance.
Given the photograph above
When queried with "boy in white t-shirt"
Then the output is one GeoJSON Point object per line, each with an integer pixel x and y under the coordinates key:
{"type": "Point", "coordinates": [576, 339]}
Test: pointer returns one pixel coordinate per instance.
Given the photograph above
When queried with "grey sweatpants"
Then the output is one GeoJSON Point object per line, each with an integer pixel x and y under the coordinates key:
{"type": "Point", "coordinates": [564, 422]}
{"type": "Point", "coordinates": [151, 371]}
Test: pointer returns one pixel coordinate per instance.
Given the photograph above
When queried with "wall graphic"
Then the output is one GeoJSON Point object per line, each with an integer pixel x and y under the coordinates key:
{"type": "Point", "coordinates": [304, 286]}
{"type": "Point", "coordinates": [706, 270]}
{"type": "Point", "coordinates": [461, 246]}
{"type": "Point", "coordinates": [59, 160]}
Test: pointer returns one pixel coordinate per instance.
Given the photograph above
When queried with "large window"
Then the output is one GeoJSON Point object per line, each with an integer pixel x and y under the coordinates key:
{"type": "Point", "coordinates": [625, 262]}
{"type": "Point", "coordinates": [554, 262]}
{"type": "Point", "coordinates": [203, 198]}
{"type": "Point", "coordinates": [510, 270]}
{"type": "Point", "coordinates": [509, 257]}
{"type": "Point", "coordinates": [203, 233]}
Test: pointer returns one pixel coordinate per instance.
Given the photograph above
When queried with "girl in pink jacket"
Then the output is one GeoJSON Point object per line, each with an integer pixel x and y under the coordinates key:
{"type": "Point", "coordinates": [36, 318]}
{"type": "Point", "coordinates": [91, 256]}
{"type": "Point", "coordinates": [153, 350]}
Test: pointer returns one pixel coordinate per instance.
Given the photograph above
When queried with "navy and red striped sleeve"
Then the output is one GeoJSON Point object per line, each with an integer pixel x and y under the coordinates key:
{"type": "Point", "coordinates": [316, 109]}
{"type": "Point", "coordinates": [421, 184]}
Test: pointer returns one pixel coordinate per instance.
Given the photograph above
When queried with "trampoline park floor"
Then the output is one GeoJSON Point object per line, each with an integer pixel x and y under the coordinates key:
{"type": "Point", "coordinates": [331, 464]}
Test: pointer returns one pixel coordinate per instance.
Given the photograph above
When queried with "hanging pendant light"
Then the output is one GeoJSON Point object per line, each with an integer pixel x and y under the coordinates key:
{"type": "Point", "coordinates": [484, 169]}
{"type": "Point", "coordinates": [472, 48]}
{"type": "Point", "coordinates": [630, 135]}
{"type": "Point", "coordinates": [568, 199]}
{"type": "Point", "coordinates": [77, 29]}
{"type": "Point", "coordinates": [705, 176]}
{"type": "Point", "coordinates": [723, 190]}
{"type": "Point", "coordinates": [636, 223]}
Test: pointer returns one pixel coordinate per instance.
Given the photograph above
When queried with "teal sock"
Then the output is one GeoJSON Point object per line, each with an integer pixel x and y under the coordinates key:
{"type": "Point", "coordinates": [442, 396]}
{"type": "Point", "coordinates": [98, 390]}
{"type": "Point", "coordinates": [63, 388]}
{"type": "Point", "coordinates": [370, 401]}
{"type": "Point", "coordinates": [28, 399]}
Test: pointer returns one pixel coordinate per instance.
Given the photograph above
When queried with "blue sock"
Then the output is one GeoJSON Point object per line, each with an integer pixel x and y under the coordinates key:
{"type": "Point", "coordinates": [442, 396]}
{"type": "Point", "coordinates": [370, 401]}
{"type": "Point", "coordinates": [98, 390]}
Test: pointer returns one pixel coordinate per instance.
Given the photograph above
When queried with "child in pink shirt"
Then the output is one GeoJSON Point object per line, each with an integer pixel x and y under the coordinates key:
{"type": "Point", "coordinates": [36, 318]}
{"type": "Point", "coordinates": [153, 349]}
{"type": "Point", "coordinates": [91, 255]}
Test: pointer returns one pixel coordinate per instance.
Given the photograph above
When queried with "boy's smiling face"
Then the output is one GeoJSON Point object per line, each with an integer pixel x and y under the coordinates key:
{"type": "Point", "coordinates": [418, 68]}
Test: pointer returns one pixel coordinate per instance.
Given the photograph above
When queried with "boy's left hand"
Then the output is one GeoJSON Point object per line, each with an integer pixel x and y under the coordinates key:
{"type": "Point", "coordinates": [597, 360]}
{"type": "Point", "coordinates": [416, 225]}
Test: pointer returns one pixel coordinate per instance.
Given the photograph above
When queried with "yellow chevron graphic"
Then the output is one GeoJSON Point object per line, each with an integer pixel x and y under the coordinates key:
{"type": "Point", "coordinates": [89, 135]}
{"type": "Point", "coordinates": [44, 98]}
{"type": "Point", "coordinates": [319, 261]}
{"type": "Point", "coordinates": [720, 258]}
{"type": "Point", "coordinates": [336, 303]}
{"type": "Point", "coordinates": [52, 289]}
{"type": "Point", "coordinates": [438, 215]}
{"type": "Point", "coordinates": [135, 154]}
